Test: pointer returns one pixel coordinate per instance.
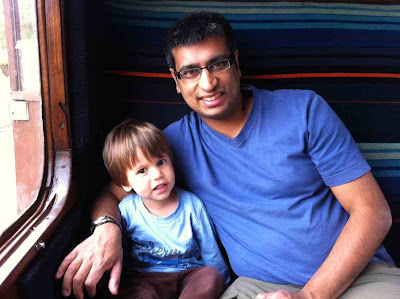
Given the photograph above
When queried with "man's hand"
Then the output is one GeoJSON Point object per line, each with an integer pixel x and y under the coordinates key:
{"type": "Point", "coordinates": [281, 294]}
{"type": "Point", "coordinates": [86, 264]}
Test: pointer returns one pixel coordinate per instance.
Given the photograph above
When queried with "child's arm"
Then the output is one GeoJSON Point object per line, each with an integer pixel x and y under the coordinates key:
{"type": "Point", "coordinates": [205, 235]}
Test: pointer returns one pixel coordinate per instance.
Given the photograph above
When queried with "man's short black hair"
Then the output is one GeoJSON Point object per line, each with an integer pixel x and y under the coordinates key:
{"type": "Point", "coordinates": [195, 27]}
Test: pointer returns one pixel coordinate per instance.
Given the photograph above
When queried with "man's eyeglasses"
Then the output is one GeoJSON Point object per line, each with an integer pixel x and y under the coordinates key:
{"type": "Point", "coordinates": [213, 68]}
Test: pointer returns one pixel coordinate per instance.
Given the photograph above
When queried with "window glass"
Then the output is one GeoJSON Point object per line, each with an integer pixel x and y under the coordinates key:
{"type": "Point", "coordinates": [21, 122]}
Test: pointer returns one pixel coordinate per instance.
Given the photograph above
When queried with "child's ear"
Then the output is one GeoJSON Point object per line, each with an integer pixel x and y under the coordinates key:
{"type": "Point", "coordinates": [127, 189]}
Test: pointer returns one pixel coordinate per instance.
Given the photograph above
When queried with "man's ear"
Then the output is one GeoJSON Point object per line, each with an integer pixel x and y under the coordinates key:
{"type": "Point", "coordinates": [237, 62]}
{"type": "Point", "coordinates": [127, 189]}
{"type": "Point", "coordinates": [172, 71]}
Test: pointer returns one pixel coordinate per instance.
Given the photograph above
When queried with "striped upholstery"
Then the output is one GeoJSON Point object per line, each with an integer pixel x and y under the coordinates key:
{"type": "Point", "coordinates": [384, 159]}
{"type": "Point", "coordinates": [347, 52]}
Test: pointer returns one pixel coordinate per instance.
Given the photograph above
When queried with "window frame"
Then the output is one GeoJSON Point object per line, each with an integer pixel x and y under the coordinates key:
{"type": "Point", "coordinates": [21, 241]}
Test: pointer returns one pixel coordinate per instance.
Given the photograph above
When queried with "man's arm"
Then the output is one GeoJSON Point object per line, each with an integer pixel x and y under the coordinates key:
{"type": "Point", "coordinates": [100, 252]}
{"type": "Point", "coordinates": [368, 224]}
{"type": "Point", "coordinates": [107, 203]}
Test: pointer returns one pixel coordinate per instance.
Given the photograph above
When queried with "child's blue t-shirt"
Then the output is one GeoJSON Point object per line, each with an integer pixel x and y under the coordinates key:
{"type": "Point", "coordinates": [183, 240]}
{"type": "Point", "coordinates": [267, 190]}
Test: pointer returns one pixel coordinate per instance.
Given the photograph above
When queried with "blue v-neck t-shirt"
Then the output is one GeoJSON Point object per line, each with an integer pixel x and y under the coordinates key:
{"type": "Point", "coordinates": [267, 190]}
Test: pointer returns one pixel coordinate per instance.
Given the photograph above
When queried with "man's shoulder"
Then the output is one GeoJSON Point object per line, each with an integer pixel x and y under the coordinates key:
{"type": "Point", "coordinates": [283, 99]}
{"type": "Point", "coordinates": [180, 127]}
{"type": "Point", "coordinates": [281, 94]}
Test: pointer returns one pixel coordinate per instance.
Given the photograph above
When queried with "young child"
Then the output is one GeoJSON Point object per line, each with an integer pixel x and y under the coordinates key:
{"type": "Point", "coordinates": [173, 248]}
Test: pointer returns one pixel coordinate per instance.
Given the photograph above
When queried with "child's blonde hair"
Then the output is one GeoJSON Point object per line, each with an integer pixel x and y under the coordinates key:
{"type": "Point", "coordinates": [122, 143]}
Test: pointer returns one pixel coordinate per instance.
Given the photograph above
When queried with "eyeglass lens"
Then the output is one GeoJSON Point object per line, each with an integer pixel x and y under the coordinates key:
{"type": "Point", "coordinates": [213, 68]}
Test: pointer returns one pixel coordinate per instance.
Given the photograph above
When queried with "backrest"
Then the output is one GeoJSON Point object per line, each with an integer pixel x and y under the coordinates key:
{"type": "Point", "coordinates": [347, 52]}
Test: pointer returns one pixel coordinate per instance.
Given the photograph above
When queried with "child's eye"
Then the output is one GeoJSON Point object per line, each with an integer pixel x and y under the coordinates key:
{"type": "Point", "coordinates": [143, 170]}
{"type": "Point", "coordinates": [162, 162]}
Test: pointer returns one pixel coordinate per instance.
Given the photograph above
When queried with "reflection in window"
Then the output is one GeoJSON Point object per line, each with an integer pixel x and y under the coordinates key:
{"type": "Point", "coordinates": [21, 123]}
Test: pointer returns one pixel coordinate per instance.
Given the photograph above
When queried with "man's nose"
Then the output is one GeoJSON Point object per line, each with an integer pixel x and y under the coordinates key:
{"type": "Point", "coordinates": [207, 80]}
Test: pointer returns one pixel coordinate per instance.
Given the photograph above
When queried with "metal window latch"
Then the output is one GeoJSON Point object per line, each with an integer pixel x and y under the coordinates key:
{"type": "Point", "coordinates": [40, 245]}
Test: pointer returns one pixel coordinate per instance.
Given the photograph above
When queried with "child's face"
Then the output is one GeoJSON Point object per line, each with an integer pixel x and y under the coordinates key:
{"type": "Point", "coordinates": [152, 180]}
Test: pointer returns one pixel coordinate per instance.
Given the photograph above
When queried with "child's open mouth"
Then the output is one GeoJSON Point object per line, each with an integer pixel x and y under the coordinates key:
{"type": "Point", "coordinates": [160, 188]}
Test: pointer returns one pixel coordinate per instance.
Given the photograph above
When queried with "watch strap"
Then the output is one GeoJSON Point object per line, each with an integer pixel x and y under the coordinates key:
{"type": "Point", "coordinates": [102, 220]}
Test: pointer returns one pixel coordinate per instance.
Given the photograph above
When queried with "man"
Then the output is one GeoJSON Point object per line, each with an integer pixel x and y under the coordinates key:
{"type": "Point", "coordinates": [293, 200]}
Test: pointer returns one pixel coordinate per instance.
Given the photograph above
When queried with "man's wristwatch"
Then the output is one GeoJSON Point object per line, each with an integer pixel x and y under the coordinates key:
{"type": "Point", "coordinates": [104, 219]}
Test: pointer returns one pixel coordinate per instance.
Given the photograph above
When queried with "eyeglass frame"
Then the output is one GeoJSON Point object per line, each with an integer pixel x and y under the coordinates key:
{"type": "Point", "coordinates": [231, 60]}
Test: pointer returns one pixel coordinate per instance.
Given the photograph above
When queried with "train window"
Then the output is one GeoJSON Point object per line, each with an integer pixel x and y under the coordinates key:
{"type": "Point", "coordinates": [35, 152]}
{"type": "Point", "coordinates": [21, 122]}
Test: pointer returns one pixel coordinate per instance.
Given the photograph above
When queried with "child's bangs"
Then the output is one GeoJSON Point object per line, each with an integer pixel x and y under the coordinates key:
{"type": "Point", "coordinates": [154, 147]}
